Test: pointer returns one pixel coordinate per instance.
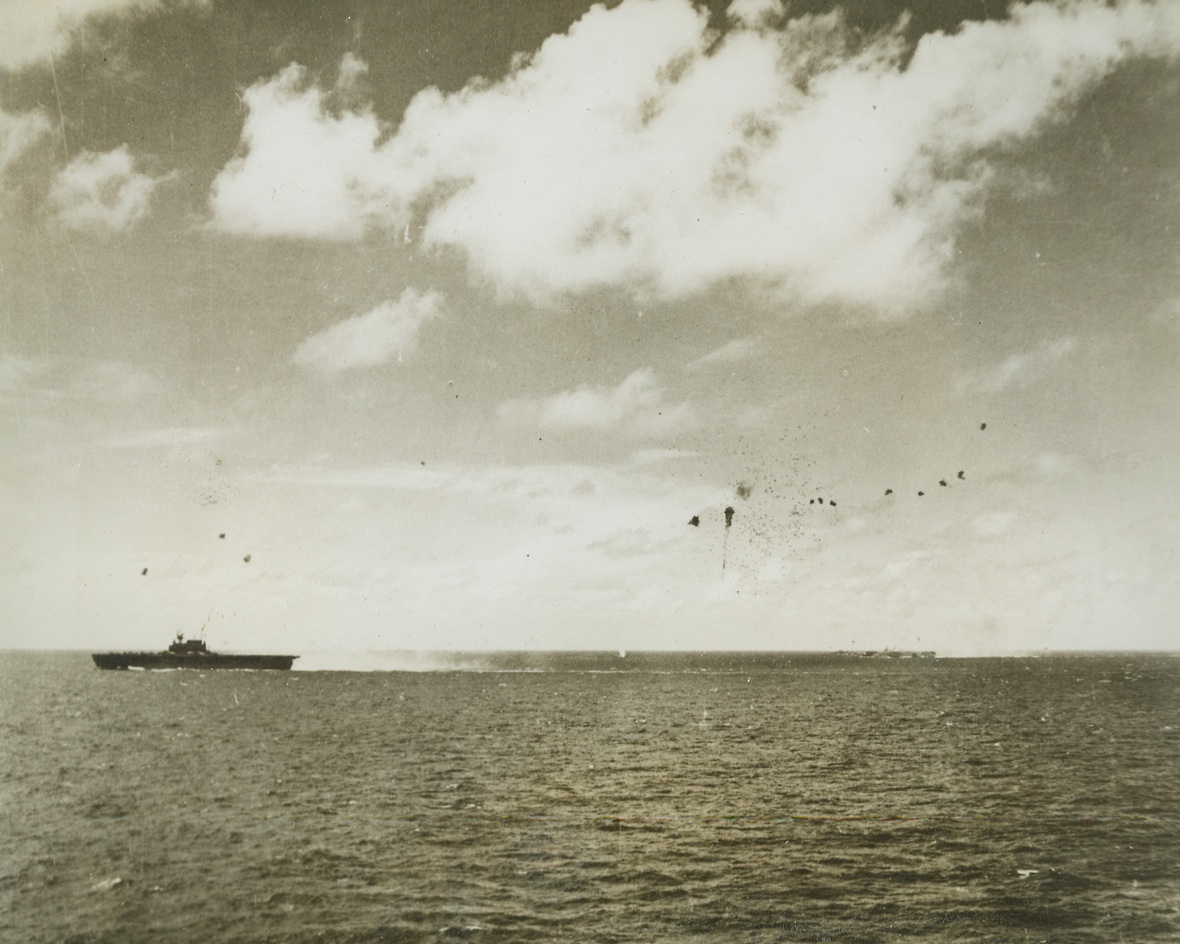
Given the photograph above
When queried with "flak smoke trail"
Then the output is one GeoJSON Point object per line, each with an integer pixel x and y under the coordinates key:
{"type": "Point", "coordinates": [725, 542]}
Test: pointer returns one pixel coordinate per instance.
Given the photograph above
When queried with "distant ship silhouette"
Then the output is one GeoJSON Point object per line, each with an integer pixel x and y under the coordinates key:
{"type": "Point", "coordinates": [189, 654]}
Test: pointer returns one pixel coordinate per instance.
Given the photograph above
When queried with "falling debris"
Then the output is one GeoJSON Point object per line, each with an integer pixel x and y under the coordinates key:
{"type": "Point", "coordinates": [942, 482]}
{"type": "Point", "coordinates": [725, 543]}
{"type": "Point", "coordinates": [246, 559]}
{"type": "Point", "coordinates": [832, 503]}
{"type": "Point", "coordinates": [222, 536]}
{"type": "Point", "coordinates": [983, 425]}
{"type": "Point", "coordinates": [744, 489]}
{"type": "Point", "coordinates": [821, 501]}
{"type": "Point", "coordinates": [143, 573]}
{"type": "Point", "coordinates": [888, 491]}
{"type": "Point", "coordinates": [920, 494]}
{"type": "Point", "coordinates": [962, 477]}
{"type": "Point", "coordinates": [811, 501]}
{"type": "Point", "coordinates": [695, 521]}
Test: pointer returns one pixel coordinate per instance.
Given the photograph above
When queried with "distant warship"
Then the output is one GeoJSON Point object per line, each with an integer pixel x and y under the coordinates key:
{"type": "Point", "coordinates": [189, 654]}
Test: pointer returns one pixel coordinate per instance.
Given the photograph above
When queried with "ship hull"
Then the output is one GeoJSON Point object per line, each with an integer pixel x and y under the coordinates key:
{"type": "Point", "coordinates": [170, 660]}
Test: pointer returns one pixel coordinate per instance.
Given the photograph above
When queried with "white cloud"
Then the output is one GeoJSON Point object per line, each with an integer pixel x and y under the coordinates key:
{"type": "Point", "coordinates": [635, 407]}
{"type": "Point", "coordinates": [902, 565]}
{"type": "Point", "coordinates": [34, 30]}
{"type": "Point", "coordinates": [388, 331]}
{"type": "Point", "coordinates": [305, 171]}
{"type": "Point", "coordinates": [108, 382]}
{"type": "Point", "coordinates": [18, 133]}
{"type": "Point", "coordinates": [755, 12]}
{"type": "Point", "coordinates": [167, 437]}
{"type": "Point", "coordinates": [112, 382]}
{"type": "Point", "coordinates": [1167, 315]}
{"type": "Point", "coordinates": [352, 68]}
{"type": "Point", "coordinates": [102, 192]}
{"type": "Point", "coordinates": [642, 457]}
{"type": "Point", "coordinates": [19, 378]}
{"type": "Point", "coordinates": [564, 508]}
{"type": "Point", "coordinates": [1054, 464]}
{"type": "Point", "coordinates": [729, 353]}
{"type": "Point", "coordinates": [507, 541]}
{"type": "Point", "coordinates": [1017, 370]}
{"type": "Point", "coordinates": [638, 149]}
{"type": "Point", "coordinates": [993, 523]}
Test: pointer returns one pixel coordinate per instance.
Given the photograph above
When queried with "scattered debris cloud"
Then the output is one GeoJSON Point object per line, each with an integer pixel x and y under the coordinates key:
{"type": "Point", "coordinates": [758, 528]}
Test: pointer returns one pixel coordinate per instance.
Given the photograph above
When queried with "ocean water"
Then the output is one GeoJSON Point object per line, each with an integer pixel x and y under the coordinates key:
{"type": "Point", "coordinates": [594, 798]}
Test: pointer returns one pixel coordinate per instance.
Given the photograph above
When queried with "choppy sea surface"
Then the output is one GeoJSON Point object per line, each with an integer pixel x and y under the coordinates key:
{"type": "Point", "coordinates": [594, 798]}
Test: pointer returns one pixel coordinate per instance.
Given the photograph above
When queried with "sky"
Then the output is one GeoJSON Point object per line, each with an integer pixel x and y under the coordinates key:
{"type": "Point", "coordinates": [418, 326]}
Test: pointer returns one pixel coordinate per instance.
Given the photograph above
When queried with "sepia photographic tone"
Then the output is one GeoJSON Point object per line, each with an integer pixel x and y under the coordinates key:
{"type": "Point", "coordinates": [554, 471]}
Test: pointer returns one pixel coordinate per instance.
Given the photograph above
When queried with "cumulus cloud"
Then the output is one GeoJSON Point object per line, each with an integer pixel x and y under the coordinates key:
{"type": "Point", "coordinates": [352, 69]}
{"type": "Point", "coordinates": [388, 331]}
{"type": "Point", "coordinates": [635, 407]}
{"type": "Point", "coordinates": [1017, 370]}
{"type": "Point", "coordinates": [17, 134]}
{"type": "Point", "coordinates": [755, 12]}
{"type": "Point", "coordinates": [34, 30]}
{"type": "Point", "coordinates": [640, 149]}
{"type": "Point", "coordinates": [102, 192]}
{"type": "Point", "coordinates": [305, 171]}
